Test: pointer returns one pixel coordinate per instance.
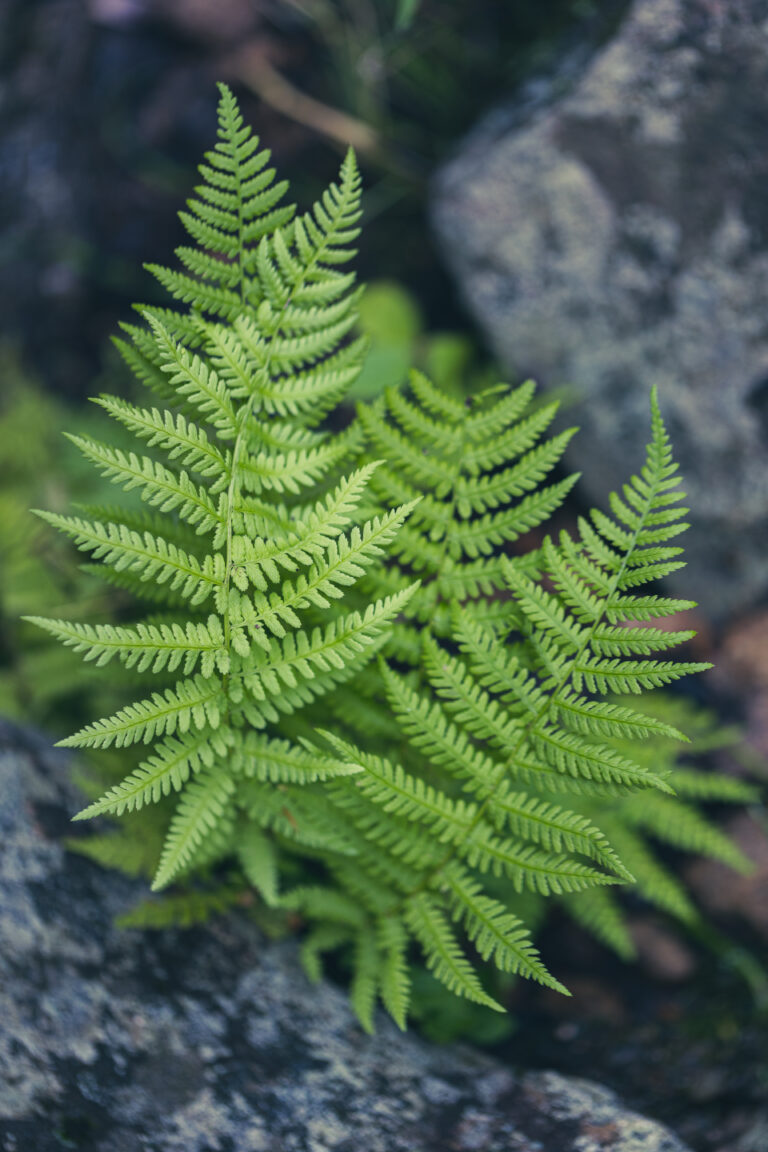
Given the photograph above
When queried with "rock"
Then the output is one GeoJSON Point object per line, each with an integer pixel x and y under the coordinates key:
{"type": "Point", "coordinates": [92, 100]}
{"type": "Point", "coordinates": [743, 655]}
{"type": "Point", "coordinates": [212, 1040]}
{"type": "Point", "coordinates": [660, 950]}
{"type": "Point", "coordinates": [741, 672]}
{"type": "Point", "coordinates": [616, 237]}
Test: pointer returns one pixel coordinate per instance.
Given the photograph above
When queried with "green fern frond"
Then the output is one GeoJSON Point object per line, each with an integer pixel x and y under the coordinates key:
{"type": "Point", "coordinates": [676, 823]}
{"type": "Point", "coordinates": [598, 912]}
{"type": "Point", "coordinates": [182, 909]}
{"type": "Point", "coordinates": [496, 933]}
{"type": "Point", "coordinates": [504, 706]}
{"type": "Point", "coordinates": [280, 762]}
{"type": "Point", "coordinates": [161, 647]}
{"type": "Point", "coordinates": [258, 859]}
{"type": "Point", "coordinates": [237, 203]}
{"type": "Point", "coordinates": [148, 556]}
{"type": "Point", "coordinates": [654, 881]}
{"type": "Point", "coordinates": [195, 703]}
{"type": "Point", "coordinates": [699, 785]}
{"type": "Point", "coordinates": [366, 979]}
{"type": "Point", "coordinates": [180, 439]}
{"type": "Point", "coordinates": [205, 804]}
{"type": "Point", "coordinates": [160, 487]}
{"type": "Point", "coordinates": [394, 975]}
{"type": "Point", "coordinates": [489, 760]}
{"type": "Point", "coordinates": [443, 952]}
{"type": "Point", "coordinates": [261, 355]}
{"type": "Point", "coordinates": [165, 772]}
{"type": "Point", "coordinates": [123, 853]}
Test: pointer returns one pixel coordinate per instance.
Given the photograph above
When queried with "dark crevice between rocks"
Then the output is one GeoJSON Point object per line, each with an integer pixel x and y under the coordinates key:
{"type": "Point", "coordinates": [757, 400]}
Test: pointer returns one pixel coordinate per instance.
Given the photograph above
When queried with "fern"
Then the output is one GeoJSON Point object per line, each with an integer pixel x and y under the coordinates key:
{"type": "Point", "coordinates": [253, 366]}
{"type": "Point", "coordinates": [508, 718]}
{"type": "Point", "coordinates": [350, 689]}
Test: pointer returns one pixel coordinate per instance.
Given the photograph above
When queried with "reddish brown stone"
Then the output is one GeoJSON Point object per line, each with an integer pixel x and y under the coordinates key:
{"type": "Point", "coordinates": [661, 951]}
{"type": "Point", "coordinates": [720, 889]}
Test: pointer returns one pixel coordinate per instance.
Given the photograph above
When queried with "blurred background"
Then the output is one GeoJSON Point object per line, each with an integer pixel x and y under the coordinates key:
{"type": "Point", "coordinates": [574, 190]}
{"type": "Point", "coordinates": [107, 105]}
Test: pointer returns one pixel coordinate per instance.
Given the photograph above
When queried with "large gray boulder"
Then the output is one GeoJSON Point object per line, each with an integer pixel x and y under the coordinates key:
{"type": "Point", "coordinates": [213, 1041]}
{"type": "Point", "coordinates": [616, 237]}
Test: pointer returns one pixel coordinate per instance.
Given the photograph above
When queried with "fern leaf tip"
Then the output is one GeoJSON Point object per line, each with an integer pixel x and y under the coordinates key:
{"type": "Point", "coordinates": [84, 813]}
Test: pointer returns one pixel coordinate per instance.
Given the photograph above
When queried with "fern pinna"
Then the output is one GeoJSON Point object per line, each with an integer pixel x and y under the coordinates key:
{"type": "Point", "coordinates": [421, 802]}
{"type": "Point", "coordinates": [251, 535]}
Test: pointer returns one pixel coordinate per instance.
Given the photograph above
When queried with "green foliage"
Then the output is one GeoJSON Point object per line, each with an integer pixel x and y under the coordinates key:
{"type": "Point", "coordinates": [513, 751]}
{"type": "Point", "coordinates": [39, 573]}
{"type": "Point", "coordinates": [391, 321]}
{"type": "Point", "coordinates": [425, 803]}
{"type": "Point", "coordinates": [480, 474]}
{"type": "Point", "coordinates": [253, 529]}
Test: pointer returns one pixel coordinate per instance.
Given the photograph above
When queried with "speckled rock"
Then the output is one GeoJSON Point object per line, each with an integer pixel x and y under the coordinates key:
{"type": "Point", "coordinates": [616, 237]}
{"type": "Point", "coordinates": [212, 1040]}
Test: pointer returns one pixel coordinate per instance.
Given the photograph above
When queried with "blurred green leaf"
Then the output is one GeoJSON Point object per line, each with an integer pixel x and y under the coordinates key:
{"type": "Point", "coordinates": [406, 12]}
{"type": "Point", "coordinates": [392, 322]}
{"type": "Point", "coordinates": [389, 314]}
{"type": "Point", "coordinates": [448, 360]}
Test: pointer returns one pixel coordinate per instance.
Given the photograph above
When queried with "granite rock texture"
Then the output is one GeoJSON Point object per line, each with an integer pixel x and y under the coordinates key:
{"type": "Point", "coordinates": [212, 1040]}
{"type": "Point", "coordinates": [615, 237]}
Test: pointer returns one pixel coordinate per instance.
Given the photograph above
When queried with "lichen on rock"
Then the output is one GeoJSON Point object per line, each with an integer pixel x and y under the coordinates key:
{"type": "Point", "coordinates": [615, 238]}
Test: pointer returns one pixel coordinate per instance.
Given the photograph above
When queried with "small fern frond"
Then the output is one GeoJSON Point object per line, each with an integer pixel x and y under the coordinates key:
{"type": "Point", "coordinates": [193, 381]}
{"type": "Point", "coordinates": [166, 771]}
{"type": "Point", "coordinates": [273, 761]}
{"type": "Point", "coordinates": [182, 909]}
{"type": "Point", "coordinates": [668, 819]}
{"type": "Point", "coordinates": [597, 911]}
{"type": "Point", "coordinates": [160, 487]}
{"type": "Point", "coordinates": [654, 881]}
{"type": "Point", "coordinates": [496, 933]}
{"type": "Point", "coordinates": [159, 647]}
{"type": "Point", "coordinates": [394, 977]}
{"type": "Point", "coordinates": [258, 859]}
{"type": "Point", "coordinates": [366, 978]}
{"type": "Point", "coordinates": [205, 804]}
{"type": "Point", "coordinates": [180, 439]}
{"type": "Point", "coordinates": [237, 203]}
{"type": "Point", "coordinates": [191, 704]}
{"type": "Point", "coordinates": [149, 557]}
{"type": "Point", "coordinates": [443, 952]}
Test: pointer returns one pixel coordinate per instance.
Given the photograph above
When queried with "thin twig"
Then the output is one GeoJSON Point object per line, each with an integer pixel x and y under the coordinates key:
{"type": "Point", "coordinates": [253, 69]}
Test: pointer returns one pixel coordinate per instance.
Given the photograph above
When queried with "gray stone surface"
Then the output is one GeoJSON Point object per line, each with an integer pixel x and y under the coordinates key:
{"type": "Point", "coordinates": [212, 1040]}
{"type": "Point", "coordinates": [616, 237]}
